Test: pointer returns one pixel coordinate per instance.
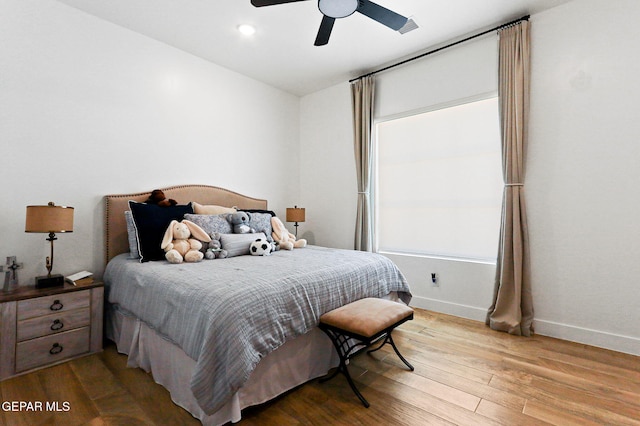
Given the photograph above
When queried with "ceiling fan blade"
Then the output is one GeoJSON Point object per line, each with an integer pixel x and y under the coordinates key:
{"type": "Point", "coordinates": [381, 14]}
{"type": "Point", "coordinates": [260, 3]}
{"type": "Point", "coordinates": [325, 30]}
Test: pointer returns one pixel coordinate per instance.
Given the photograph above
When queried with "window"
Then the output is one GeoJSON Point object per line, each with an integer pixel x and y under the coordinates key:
{"type": "Point", "coordinates": [439, 182]}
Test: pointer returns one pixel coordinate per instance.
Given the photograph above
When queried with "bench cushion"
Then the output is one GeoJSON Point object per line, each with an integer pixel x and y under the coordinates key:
{"type": "Point", "coordinates": [366, 317]}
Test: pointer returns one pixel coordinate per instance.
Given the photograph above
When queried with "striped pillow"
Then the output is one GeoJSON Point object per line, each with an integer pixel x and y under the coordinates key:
{"type": "Point", "coordinates": [238, 244]}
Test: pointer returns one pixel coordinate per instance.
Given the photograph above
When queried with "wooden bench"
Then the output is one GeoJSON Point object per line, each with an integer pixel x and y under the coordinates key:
{"type": "Point", "coordinates": [357, 325]}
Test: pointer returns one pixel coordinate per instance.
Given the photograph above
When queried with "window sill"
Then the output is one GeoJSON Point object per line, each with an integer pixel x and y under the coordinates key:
{"type": "Point", "coordinates": [439, 257]}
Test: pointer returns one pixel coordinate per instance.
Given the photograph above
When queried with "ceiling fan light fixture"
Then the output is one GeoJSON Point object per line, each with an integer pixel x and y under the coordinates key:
{"type": "Point", "coordinates": [337, 8]}
{"type": "Point", "coordinates": [246, 29]}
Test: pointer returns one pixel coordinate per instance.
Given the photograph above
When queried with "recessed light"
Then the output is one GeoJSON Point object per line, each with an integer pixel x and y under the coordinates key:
{"type": "Point", "coordinates": [247, 29]}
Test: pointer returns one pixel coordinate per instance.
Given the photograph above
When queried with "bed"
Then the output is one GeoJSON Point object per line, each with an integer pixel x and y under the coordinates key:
{"type": "Point", "coordinates": [225, 334]}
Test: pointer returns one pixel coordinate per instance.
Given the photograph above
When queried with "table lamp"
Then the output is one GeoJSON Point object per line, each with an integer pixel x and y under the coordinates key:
{"type": "Point", "coordinates": [295, 214]}
{"type": "Point", "coordinates": [49, 219]}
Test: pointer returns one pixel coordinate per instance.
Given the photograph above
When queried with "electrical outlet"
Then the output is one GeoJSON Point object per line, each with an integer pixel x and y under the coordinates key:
{"type": "Point", "coordinates": [434, 280]}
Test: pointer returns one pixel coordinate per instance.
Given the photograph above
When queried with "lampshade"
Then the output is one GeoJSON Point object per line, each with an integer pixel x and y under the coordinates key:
{"type": "Point", "coordinates": [295, 214]}
{"type": "Point", "coordinates": [50, 218]}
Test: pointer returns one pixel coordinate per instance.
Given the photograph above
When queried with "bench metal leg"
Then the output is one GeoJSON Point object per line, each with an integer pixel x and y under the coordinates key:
{"type": "Point", "coordinates": [389, 340]}
{"type": "Point", "coordinates": [345, 350]}
{"type": "Point", "coordinates": [342, 368]}
{"type": "Point", "coordinates": [354, 388]}
{"type": "Point", "coordinates": [393, 345]}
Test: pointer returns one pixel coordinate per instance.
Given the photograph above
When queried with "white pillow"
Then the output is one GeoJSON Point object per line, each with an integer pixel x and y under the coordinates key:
{"type": "Point", "coordinates": [238, 244]}
{"type": "Point", "coordinates": [211, 209]}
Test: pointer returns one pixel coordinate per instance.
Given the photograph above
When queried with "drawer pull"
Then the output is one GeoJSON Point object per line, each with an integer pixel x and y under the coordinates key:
{"type": "Point", "coordinates": [56, 349]}
{"type": "Point", "coordinates": [56, 325]}
{"type": "Point", "coordinates": [56, 306]}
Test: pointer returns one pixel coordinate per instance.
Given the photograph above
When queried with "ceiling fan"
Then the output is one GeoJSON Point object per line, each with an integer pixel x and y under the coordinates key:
{"type": "Point", "coordinates": [335, 9]}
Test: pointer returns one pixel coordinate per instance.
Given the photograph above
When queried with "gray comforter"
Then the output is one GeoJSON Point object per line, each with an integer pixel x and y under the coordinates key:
{"type": "Point", "coordinates": [227, 314]}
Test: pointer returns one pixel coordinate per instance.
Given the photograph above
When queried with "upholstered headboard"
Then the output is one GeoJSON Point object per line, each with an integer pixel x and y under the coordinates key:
{"type": "Point", "coordinates": [115, 206]}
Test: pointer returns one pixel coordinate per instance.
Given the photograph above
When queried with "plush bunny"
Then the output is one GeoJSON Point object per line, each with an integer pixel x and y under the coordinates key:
{"type": "Point", "coordinates": [285, 239]}
{"type": "Point", "coordinates": [179, 247]}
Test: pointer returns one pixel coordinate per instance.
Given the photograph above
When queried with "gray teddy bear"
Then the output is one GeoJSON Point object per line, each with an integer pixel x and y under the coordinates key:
{"type": "Point", "coordinates": [240, 222]}
{"type": "Point", "coordinates": [214, 249]}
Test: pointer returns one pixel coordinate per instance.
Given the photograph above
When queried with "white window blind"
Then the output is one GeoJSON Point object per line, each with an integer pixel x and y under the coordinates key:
{"type": "Point", "coordinates": [462, 72]}
{"type": "Point", "coordinates": [439, 182]}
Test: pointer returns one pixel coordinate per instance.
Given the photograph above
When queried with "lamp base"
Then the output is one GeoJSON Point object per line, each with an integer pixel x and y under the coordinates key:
{"type": "Point", "coordinates": [55, 280]}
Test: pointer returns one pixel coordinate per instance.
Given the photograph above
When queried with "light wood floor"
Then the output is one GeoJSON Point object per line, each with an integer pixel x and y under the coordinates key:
{"type": "Point", "coordinates": [465, 374]}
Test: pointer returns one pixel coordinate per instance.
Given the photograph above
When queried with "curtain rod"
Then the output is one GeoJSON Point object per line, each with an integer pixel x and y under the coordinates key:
{"type": "Point", "coordinates": [499, 27]}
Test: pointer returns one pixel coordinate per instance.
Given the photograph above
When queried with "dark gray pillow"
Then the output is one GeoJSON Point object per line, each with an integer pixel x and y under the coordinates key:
{"type": "Point", "coordinates": [151, 222]}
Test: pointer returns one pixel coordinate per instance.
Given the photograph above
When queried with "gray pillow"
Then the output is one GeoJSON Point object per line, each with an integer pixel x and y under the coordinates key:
{"type": "Point", "coordinates": [211, 223]}
{"type": "Point", "coordinates": [261, 222]}
{"type": "Point", "coordinates": [238, 244]}
{"type": "Point", "coordinates": [131, 234]}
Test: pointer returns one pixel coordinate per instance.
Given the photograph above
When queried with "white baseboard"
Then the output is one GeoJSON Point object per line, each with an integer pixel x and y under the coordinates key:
{"type": "Point", "coordinates": [601, 339]}
{"type": "Point", "coordinates": [463, 311]}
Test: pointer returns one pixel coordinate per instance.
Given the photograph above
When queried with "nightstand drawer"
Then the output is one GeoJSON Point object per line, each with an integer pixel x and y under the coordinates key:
{"type": "Point", "coordinates": [47, 350]}
{"type": "Point", "coordinates": [56, 303]}
{"type": "Point", "coordinates": [54, 323]}
{"type": "Point", "coordinates": [41, 327]}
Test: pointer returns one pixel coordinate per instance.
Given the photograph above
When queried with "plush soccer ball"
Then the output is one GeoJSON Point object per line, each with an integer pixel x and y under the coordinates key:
{"type": "Point", "coordinates": [260, 247]}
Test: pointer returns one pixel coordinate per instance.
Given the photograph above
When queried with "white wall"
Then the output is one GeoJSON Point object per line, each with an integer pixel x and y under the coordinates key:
{"type": "Point", "coordinates": [581, 181]}
{"type": "Point", "coordinates": [327, 168]}
{"type": "Point", "coordinates": [77, 93]}
{"type": "Point", "coordinates": [583, 172]}
{"type": "Point", "coordinates": [88, 108]}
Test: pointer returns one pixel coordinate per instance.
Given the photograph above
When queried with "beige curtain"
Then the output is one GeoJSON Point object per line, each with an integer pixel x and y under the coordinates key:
{"type": "Point", "coordinates": [512, 308]}
{"type": "Point", "coordinates": [362, 103]}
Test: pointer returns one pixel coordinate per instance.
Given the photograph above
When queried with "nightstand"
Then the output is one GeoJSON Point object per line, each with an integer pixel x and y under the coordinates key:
{"type": "Point", "coordinates": [42, 327]}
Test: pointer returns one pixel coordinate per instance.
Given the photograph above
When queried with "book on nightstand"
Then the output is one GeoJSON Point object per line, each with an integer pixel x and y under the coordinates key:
{"type": "Point", "coordinates": [80, 278]}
